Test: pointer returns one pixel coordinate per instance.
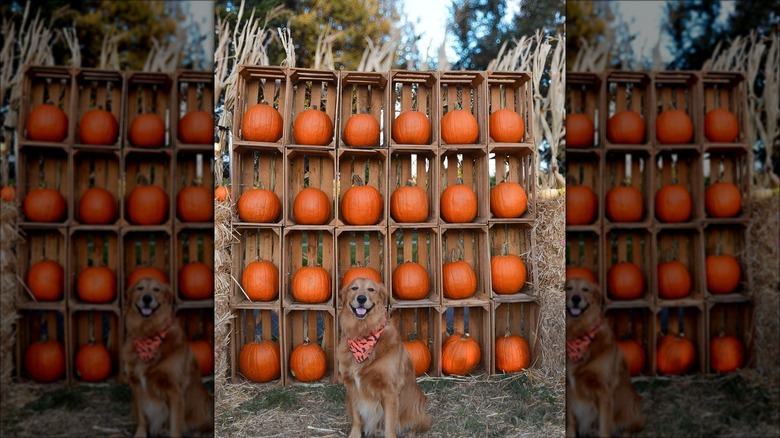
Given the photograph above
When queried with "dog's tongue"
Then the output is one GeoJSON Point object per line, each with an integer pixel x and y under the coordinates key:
{"type": "Point", "coordinates": [146, 311]}
{"type": "Point", "coordinates": [575, 311]}
{"type": "Point", "coordinates": [360, 311]}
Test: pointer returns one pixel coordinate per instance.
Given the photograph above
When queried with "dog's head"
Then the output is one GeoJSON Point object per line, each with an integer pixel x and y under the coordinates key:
{"type": "Point", "coordinates": [584, 306]}
{"type": "Point", "coordinates": [149, 302]}
{"type": "Point", "coordinates": [363, 301]}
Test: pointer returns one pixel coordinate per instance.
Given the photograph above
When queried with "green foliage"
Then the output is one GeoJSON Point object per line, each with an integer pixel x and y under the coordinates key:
{"type": "Point", "coordinates": [586, 20]}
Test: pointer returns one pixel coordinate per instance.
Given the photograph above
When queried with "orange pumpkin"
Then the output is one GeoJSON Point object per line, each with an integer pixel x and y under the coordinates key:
{"type": "Point", "coordinates": [311, 207]}
{"type": "Point", "coordinates": [360, 272]}
{"type": "Point", "coordinates": [97, 206]}
{"type": "Point", "coordinates": [674, 280]}
{"type": "Point", "coordinates": [459, 281]}
{"type": "Point", "coordinates": [626, 127]}
{"type": "Point", "coordinates": [194, 204]}
{"type": "Point", "coordinates": [258, 206]}
{"type": "Point", "coordinates": [722, 200]}
{"type": "Point", "coordinates": [147, 131]}
{"type": "Point", "coordinates": [44, 205]}
{"type": "Point", "coordinates": [196, 281]}
{"type": "Point", "coordinates": [262, 122]}
{"type": "Point", "coordinates": [458, 204]}
{"type": "Point", "coordinates": [44, 361]}
{"type": "Point", "coordinates": [459, 127]}
{"type": "Point", "coordinates": [673, 127]}
{"type": "Point", "coordinates": [147, 205]}
{"type": "Point", "coordinates": [420, 354]}
{"type": "Point", "coordinates": [96, 284]}
{"type": "Point", "coordinates": [196, 127]}
{"type": "Point", "coordinates": [411, 127]}
{"type": "Point", "coordinates": [721, 126]}
{"type": "Point", "coordinates": [409, 203]}
{"type": "Point", "coordinates": [512, 353]}
{"type": "Point", "coordinates": [98, 127]}
{"type": "Point", "coordinates": [361, 204]}
{"type": "Point", "coordinates": [313, 127]}
{"type": "Point", "coordinates": [723, 274]}
{"type": "Point", "coordinates": [581, 205]}
{"type": "Point", "coordinates": [311, 285]}
{"type": "Point", "coordinates": [7, 193]}
{"type": "Point", "coordinates": [361, 130]}
{"type": "Point", "coordinates": [411, 281]}
{"type": "Point", "coordinates": [308, 362]}
{"type": "Point", "coordinates": [624, 204]}
{"type": "Point", "coordinates": [460, 355]}
{"type": "Point", "coordinates": [222, 193]}
{"type": "Point", "coordinates": [625, 282]}
{"type": "Point", "coordinates": [508, 200]}
{"type": "Point", "coordinates": [581, 272]}
{"type": "Point", "coordinates": [260, 281]}
{"type": "Point", "coordinates": [579, 131]}
{"type": "Point", "coordinates": [204, 355]}
{"type": "Point", "coordinates": [93, 363]}
{"type": "Point", "coordinates": [726, 353]}
{"type": "Point", "coordinates": [675, 355]}
{"type": "Point", "coordinates": [634, 355]}
{"type": "Point", "coordinates": [146, 272]}
{"type": "Point", "coordinates": [47, 122]}
{"type": "Point", "coordinates": [46, 280]}
{"type": "Point", "coordinates": [506, 126]}
{"type": "Point", "coordinates": [259, 361]}
{"type": "Point", "coordinates": [507, 273]}
{"type": "Point", "coordinates": [673, 204]}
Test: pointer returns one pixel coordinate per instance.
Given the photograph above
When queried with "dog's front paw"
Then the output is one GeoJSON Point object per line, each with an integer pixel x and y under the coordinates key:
{"type": "Point", "coordinates": [140, 432]}
{"type": "Point", "coordinates": [355, 433]}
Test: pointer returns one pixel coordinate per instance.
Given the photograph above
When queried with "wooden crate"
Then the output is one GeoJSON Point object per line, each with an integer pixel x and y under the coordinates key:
{"type": "Point", "coordinates": [308, 89]}
{"type": "Point", "coordinates": [519, 240]}
{"type": "Point", "coordinates": [363, 93]}
{"type": "Point", "coordinates": [33, 326]}
{"type": "Point", "coordinates": [256, 244]}
{"type": "Point", "coordinates": [635, 324]}
{"type": "Point", "coordinates": [194, 246]}
{"type": "Point", "coordinates": [468, 167]}
{"type": "Point", "coordinates": [148, 169]}
{"type": "Point", "coordinates": [258, 84]}
{"type": "Point", "coordinates": [146, 249]}
{"type": "Point", "coordinates": [583, 92]}
{"type": "Point", "coordinates": [308, 246]}
{"type": "Point", "coordinates": [98, 89]}
{"type": "Point", "coordinates": [684, 246]}
{"type": "Point", "coordinates": [194, 169]}
{"type": "Point", "coordinates": [514, 164]}
{"type": "Point", "coordinates": [731, 319]}
{"type": "Point", "coordinates": [678, 90]}
{"type": "Point", "coordinates": [148, 93]}
{"type": "Point", "coordinates": [415, 91]}
{"type": "Point", "coordinates": [261, 323]}
{"type": "Point", "coordinates": [693, 326]}
{"type": "Point", "coordinates": [513, 91]}
{"type": "Point", "coordinates": [368, 165]}
{"type": "Point", "coordinates": [583, 250]}
{"type": "Point", "coordinates": [474, 320]}
{"type": "Point", "coordinates": [421, 323]}
{"type": "Point", "coordinates": [470, 244]}
{"type": "Point", "coordinates": [420, 167]}
{"type": "Point", "coordinates": [726, 90]}
{"type": "Point", "coordinates": [586, 169]}
{"type": "Point", "coordinates": [95, 169]}
{"type": "Point", "coordinates": [45, 84]}
{"type": "Point", "coordinates": [44, 168]}
{"type": "Point", "coordinates": [258, 167]}
{"type": "Point", "coordinates": [730, 240]}
{"type": "Point", "coordinates": [97, 327]}
{"type": "Point", "coordinates": [39, 245]}
{"type": "Point", "coordinates": [679, 167]}
{"type": "Point", "coordinates": [419, 245]}
{"type": "Point", "coordinates": [197, 323]}
{"type": "Point", "coordinates": [631, 169]}
{"type": "Point", "coordinates": [360, 246]}
{"type": "Point", "coordinates": [627, 91]}
{"type": "Point", "coordinates": [309, 168]}
{"type": "Point", "coordinates": [734, 166]}
{"type": "Point", "coordinates": [465, 90]}
{"type": "Point", "coordinates": [317, 326]}
{"type": "Point", "coordinates": [193, 91]}
{"type": "Point", "coordinates": [93, 248]}
{"type": "Point", "coordinates": [521, 319]}
{"type": "Point", "coordinates": [634, 246]}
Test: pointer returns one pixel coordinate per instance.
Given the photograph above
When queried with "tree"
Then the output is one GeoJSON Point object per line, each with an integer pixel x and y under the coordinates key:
{"type": "Point", "coordinates": [586, 20]}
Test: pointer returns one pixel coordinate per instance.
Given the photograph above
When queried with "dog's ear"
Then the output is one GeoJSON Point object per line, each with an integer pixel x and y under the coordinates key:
{"type": "Point", "coordinates": [382, 290]}
{"type": "Point", "coordinates": [343, 293]}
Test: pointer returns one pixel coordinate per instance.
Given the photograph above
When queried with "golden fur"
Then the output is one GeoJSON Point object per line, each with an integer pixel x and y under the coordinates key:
{"type": "Point", "coordinates": [382, 392]}
{"type": "Point", "coordinates": [600, 400]}
{"type": "Point", "coordinates": [167, 390]}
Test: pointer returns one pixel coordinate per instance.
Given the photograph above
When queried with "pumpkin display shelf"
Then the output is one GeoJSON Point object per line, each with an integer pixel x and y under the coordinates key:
{"type": "Point", "coordinates": [46, 112]}
{"type": "Point", "coordinates": [363, 106]}
{"type": "Point", "coordinates": [98, 111]}
{"type": "Point", "coordinates": [463, 110]}
{"type": "Point", "coordinates": [679, 139]}
{"type": "Point", "coordinates": [415, 97]}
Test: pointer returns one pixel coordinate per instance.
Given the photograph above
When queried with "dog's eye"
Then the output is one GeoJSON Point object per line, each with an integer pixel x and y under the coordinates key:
{"type": "Point", "coordinates": [569, 288]}
{"type": "Point", "coordinates": [370, 289]}
{"type": "Point", "coordinates": [355, 288]}
{"type": "Point", "coordinates": [156, 289]}
{"type": "Point", "coordinates": [585, 289]}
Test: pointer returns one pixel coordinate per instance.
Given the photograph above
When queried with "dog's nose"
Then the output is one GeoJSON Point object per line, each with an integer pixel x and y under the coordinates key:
{"type": "Point", "coordinates": [575, 299]}
{"type": "Point", "coordinates": [361, 299]}
{"type": "Point", "coordinates": [147, 299]}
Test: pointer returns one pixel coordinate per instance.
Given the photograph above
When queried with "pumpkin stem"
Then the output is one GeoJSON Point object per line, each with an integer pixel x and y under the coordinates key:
{"type": "Point", "coordinates": [680, 322]}
{"type": "Point", "coordinates": [356, 180]}
{"type": "Point", "coordinates": [305, 327]}
{"type": "Point", "coordinates": [259, 335]}
{"type": "Point", "coordinates": [141, 180]}
{"type": "Point", "coordinates": [410, 183]}
{"type": "Point", "coordinates": [507, 332]}
{"type": "Point", "coordinates": [505, 248]}
{"type": "Point", "coordinates": [198, 170]}
{"type": "Point", "coordinates": [91, 327]}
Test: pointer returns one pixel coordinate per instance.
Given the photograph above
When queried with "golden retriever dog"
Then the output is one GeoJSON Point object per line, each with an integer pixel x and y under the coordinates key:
{"type": "Point", "coordinates": [160, 366]}
{"type": "Point", "coordinates": [382, 392]}
{"type": "Point", "coordinates": [600, 400]}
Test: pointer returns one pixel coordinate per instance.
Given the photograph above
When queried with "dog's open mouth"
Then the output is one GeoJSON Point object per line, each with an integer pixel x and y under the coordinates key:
{"type": "Point", "coordinates": [146, 311]}
{"type": "Point", "coordinates": [361, 312]}
{"type": "Point", "coordinates": [576, 311]}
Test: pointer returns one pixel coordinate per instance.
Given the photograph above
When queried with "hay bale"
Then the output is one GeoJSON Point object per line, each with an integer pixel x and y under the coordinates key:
{"type": "Point", "coordinates": [223, 238]}
{"type": "Point", "coordinates": [9, 236]}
